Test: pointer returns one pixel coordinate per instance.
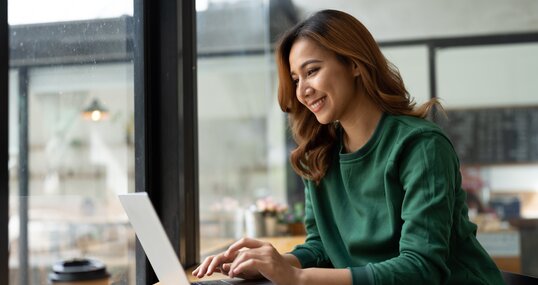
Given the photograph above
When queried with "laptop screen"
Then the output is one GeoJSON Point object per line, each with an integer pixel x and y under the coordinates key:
{"type": "Point", "coordinates": [153, 238]}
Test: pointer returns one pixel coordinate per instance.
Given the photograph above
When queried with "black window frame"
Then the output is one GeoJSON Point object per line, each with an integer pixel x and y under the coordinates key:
{"type": "Point", "coordinates": [165, 126]}
{"type": "Point", "coordinates": [435, 44]}
{"type": "Point", "coordinates": [4, 141]}
{"type": "Point", "coordinates": [166, 145]}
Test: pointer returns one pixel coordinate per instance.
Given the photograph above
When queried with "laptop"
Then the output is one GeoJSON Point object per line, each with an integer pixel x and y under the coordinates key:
{"type": "Point", "coordinates": [157, 246]}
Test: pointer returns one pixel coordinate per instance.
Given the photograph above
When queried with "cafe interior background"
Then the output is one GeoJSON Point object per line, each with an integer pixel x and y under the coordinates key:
{"type": "Point", "coordinates": [71, 121]}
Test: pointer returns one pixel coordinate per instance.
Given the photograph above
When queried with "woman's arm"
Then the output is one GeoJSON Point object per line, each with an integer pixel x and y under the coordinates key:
{"type": "Point", "coordinates": [427, 171]}
{"type": "Point", "coordinates": [319, 275]}
{"type": "Point", "coordinates": [324, 276]}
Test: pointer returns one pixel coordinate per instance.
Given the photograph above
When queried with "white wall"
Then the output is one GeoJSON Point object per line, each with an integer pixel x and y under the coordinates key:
{"type": "Point", "coordinates": [392, 20]}
{"type": "Point", "coordinates": [412, 62]}
{"type": "Point", "coordinates": [488, 76]}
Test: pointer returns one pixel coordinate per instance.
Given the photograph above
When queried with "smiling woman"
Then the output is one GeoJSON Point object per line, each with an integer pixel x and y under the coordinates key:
{"type": "Point", "coordinates": [351, 53]}
{"type": "Point", "coordinates": [384, 203]}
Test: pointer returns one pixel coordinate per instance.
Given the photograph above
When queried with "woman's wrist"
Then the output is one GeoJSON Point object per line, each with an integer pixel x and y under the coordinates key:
{"type": "Point", "coordinates": [292, 260]}
{"type": "Point", "coordinates": [300, 276]}
{"type": "Point", "coordinates": [325, 276]}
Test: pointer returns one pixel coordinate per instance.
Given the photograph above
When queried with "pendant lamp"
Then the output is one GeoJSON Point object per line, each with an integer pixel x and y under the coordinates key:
{"type": "Point", "coordinates": [95, 111]}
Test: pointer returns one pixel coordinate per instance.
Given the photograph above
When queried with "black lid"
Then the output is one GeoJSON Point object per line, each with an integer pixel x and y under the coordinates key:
{"type": "Point", "coordinates": [78, 270]}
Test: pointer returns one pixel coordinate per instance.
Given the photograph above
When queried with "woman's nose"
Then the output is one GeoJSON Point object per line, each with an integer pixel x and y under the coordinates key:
{"type": "Point", "coordinates": [305, 91]}
{"type": "Point", "coordinates": [308, 91]}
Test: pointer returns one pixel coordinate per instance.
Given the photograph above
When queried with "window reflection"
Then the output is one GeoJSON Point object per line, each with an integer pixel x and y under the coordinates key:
{"type": "Point", "coordinates": [241, 128]}
{"type": "Point", "coordinates": [65, 171]}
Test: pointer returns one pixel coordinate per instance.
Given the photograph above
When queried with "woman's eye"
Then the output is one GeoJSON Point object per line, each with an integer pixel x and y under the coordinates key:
{"type": "Point", "coordinates": [295, 81]}
{"type": "Point", "coordinates": [311, 71]}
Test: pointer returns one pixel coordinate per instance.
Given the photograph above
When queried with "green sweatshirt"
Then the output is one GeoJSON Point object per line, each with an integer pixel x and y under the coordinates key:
{"type": "Point", "coordinates": [394, 212]}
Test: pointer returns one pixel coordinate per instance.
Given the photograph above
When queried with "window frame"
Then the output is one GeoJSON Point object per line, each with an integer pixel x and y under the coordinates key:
{"type": "Point", "coordinates": [4, 141]}
{"type": "Point", "coordinates": [435, 44]}
{"type": "Point", "coordinates": [165, 126]}
{"type": "Point", "coordinates": [166, 145]}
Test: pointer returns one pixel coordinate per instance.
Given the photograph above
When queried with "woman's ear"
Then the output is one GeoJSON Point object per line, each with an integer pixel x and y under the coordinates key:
{"type": "Point", "coordinates": [355, 69]}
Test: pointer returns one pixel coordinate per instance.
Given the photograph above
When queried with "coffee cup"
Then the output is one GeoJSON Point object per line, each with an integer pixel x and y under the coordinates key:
{"type": "Point", "coordinates": [79, 272]}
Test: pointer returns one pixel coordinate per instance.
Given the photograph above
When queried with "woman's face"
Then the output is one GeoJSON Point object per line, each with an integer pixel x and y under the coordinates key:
{"type": "Point", "coordinates": [324, 84]}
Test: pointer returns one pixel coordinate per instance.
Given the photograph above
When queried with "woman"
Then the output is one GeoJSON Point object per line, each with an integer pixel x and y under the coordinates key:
{"type": "Point", "coordinates": [384, 203]}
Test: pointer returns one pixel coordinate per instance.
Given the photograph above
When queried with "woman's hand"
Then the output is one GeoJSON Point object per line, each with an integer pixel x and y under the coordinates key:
{"type": "Point", "coordinates": [258, 257]}
{"type": "Point", "coordinates": [214, 263]}
{"type": "Point", "coordinates": [251, 259]}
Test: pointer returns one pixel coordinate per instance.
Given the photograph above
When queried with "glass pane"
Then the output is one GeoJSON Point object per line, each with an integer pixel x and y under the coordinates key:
{"type": "Point", "coordinates": [490, 93]}
{"type": "Point", "coordinates": [488, 76]}
{"type": "Point", "coordinates": [242, 155]}
{"type": "Point", "coordinates": [412, 62]}
{"type": "Point", "coordinates": [71, 147]}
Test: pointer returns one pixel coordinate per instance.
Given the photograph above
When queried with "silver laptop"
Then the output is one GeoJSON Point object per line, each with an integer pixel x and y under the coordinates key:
{"type": "Point", "coordinates": [157, 246]}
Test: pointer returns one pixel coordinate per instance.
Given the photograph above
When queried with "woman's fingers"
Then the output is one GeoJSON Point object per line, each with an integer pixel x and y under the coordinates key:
{"type": "Point", "coordinates": [250, 259]}
{"type": "Point", "coordinates": [246, 258]}
{"type": "Point", "coordinates": [202, 268]}
{"type": "Point", "coordinates": [246, 266]}
{"type": "Point", "coordinates": [224, 268]}
{"type": "Point", "coordinates": [244, 242]}
{"type": "Point", "coordinates": [238, 253]}
{"type": "Point", "coordinates": [205, 268]}
{"type": "Point", "coordinates": [213, 264]}
{"type": "Point", "coordinates": [216, 263]}
{"type": "Point", "coordinates": [264, 261]}
{"type": "Point", "coordinates": [242, 256]}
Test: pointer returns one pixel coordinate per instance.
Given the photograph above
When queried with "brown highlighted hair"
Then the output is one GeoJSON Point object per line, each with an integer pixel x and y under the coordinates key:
{"type": "Point", "coordinates": [344, 35]}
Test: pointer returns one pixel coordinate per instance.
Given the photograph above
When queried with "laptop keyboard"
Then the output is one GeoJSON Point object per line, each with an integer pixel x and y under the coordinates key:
{"type": "Point", "coordinates": [232, 282]}
{"type": "Point", "coordinates": [211, 282]}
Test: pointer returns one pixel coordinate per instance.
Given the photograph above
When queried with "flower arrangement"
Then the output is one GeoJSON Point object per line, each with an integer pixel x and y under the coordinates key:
{"type": "Point", "coordinates": [289, 220]}
{"type": "Point", "coordinates": [294, 219]}
{"type": "Point", "coordinates": [294, 215]}
{"type": "Point", "coordinates": [269, 207]}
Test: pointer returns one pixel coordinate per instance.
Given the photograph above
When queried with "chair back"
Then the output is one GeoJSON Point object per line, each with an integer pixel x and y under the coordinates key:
{"type": "Point", "coordinates": [518, 279]}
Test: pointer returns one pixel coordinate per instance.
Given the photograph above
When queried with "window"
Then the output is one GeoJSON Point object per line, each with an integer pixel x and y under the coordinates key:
{"type": "Point", "coordinates": [242, 143]}
{"type": "Point", "coordinates": [71, 146]}
{"type": "Point", "coordinates": [490, 95]}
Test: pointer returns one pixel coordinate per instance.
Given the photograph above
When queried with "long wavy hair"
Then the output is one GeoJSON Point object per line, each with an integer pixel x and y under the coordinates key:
{"type": "Point", "coordinates": [351, 42]}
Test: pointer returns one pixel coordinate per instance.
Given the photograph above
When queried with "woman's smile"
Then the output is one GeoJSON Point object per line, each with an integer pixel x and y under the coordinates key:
{"type": "Point", "coordinates": [317, 105]}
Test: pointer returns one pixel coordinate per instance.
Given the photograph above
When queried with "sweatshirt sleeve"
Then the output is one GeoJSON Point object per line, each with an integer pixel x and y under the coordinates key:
{"type": "Point", "coordinates": [311, 253]}
{"type": "Point", "coordinates": [428, 173]}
